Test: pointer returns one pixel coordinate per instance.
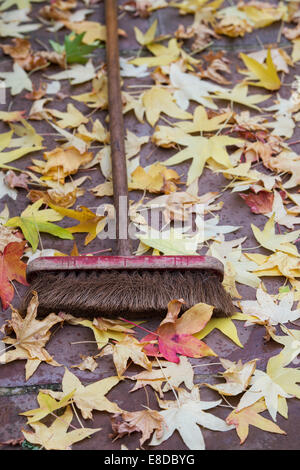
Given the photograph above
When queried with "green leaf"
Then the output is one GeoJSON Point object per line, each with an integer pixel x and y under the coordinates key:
{"type": "Point", "coordinates": [76, 51]}
{"type": "Point", "coordinates": [32, 221]}
{"type": "Point", "coordinates": [59, 48]}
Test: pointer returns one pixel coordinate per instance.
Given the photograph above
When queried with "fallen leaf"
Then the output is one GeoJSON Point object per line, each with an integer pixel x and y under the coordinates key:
{"type": "Point", "coordinates": [87, 363]}
{"type": "Point", "coordinates": [189, 87]}
{"type": "Point", "coordinates": [157, 101]}
{"type": "Point", "coordinates": [145, 421]}
{"type": "Point", "coordinates": [89, 398]}
{"type": "Point", "coordinates": [199, 150]}
{"type": "Point", "coordinates": [185, 415]}
{"type": "Point", "coordinates": [103, 329]}
{"type": "Point", "coordinates": [175, 335]}
{"type": "Point", "coordinates": [168, 373]}
{"type": "Point", "coordinates": [89, 222]}
{"type": "Point", "coordinates": [263, 386]}
{"type": "Point", "coordinates": [239, 94]}
{"type": "Point", "coordinates": [291, 343]}
{"type": "Point", "coordinates": [17, 80]}
{"type": "Point", "coordinates": [265, 308]}
{"type": "Point", "coordinates": [129, 348]}
{"type": "Point", "coordinates": [265, 74]}
{"type": "Point", "coordinates": [61, 162]}
{"type": "Point", "coordinates": [47, 406]}
{"type": "Point", "coordinates": [157, 179]}
{"type": "Point", "coordinates": [250, 416]}
{"type": "Point", "coordinates": [11, 269]}
{"type": "Point", "coordinates": [31, 336]}
{"type": "Point", "coordinates": [225, 325]}
{"type": "Point", "coordinates": [32, 221]}
{"type": "Point", "coordinates": [56, 437]}
{"type": "Point", "coordinates": [237, 376]}
{"type": "Point", "coordinates": [201, 122]}
{"type": "Point", "coordinates": [260, 203]}
{"type": "Point", "coordinates": [76, 74]}
{"type": "Point", "coordinates": [148, 37]}
{"type": "Point", "coordinates": [276, 242]}
{"type": "Point", "coordinates": [8, 235]}
{"type": "Point", "coordinates": [71, 118]}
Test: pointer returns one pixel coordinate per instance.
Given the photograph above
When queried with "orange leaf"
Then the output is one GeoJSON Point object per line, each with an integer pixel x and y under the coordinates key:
{"type": "Point", "coordinates": [175, 336]}
{"type": "Point", "coordinates": [11, 268]}
{"type": "Point", "coordinates": [250, 416]}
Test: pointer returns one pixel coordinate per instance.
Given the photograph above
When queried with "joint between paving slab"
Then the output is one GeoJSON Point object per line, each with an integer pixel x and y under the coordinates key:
{"type": "Point", "coordinates": [214, 48]}
{"type": "Point", "coordinates": [24, 389]}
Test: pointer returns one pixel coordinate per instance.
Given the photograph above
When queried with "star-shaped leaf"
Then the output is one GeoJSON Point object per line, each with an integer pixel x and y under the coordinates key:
{"type": "Point", "coordinates": [56, 436]}
{"type": "Point", "coordinates": [276, 242]}
{"type": "Point", "coordinates": [225, 325]}
{"type": "Point", "coordinates": [31, 336]}
{"type": "Point", "coordinates": [89, 222]}
{"type": "Point", "coordinates": [250, 417]}
{"type": "Point", "coordinates": [175, 335]}
{"type": "Point", "coordinates": [11, 269]}
{"type": "Point", "coordinates": [17, 80]}
{"type": "Point", "coordinates": [186, 415]}
{"type": "Point", "coordinates": [32, 221]}
{"type": "Point", "coordinates": [90, 397]}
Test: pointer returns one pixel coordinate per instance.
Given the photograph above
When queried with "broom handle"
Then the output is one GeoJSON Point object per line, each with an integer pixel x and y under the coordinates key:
{"type": "Point", "coordinates": [116, 128]}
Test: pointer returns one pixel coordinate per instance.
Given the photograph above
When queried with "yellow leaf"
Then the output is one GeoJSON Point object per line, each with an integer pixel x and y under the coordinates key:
{"type": "Point", "coordinates": [71, 118]}
{"type": "Point", "coordinates": [169, 243]}
{"type": "Point", "coordinates": [162, 55]}
{"type": "Point", "coordinates": [157, 179]}
{"type": "Point", "coordinates": [237, 376]}
{"type": "Point", "coordinates": [157, 101]}
{"type": "Point", "coordinates": [56, 436]}
{"type": "Point", "coordinates": [148, 37]}
{"type": "Point", "coordinates": [93, 30]}
{"type": "Point", "coordinates": [129, 348]}
{"type": "Point", "coordinates": [268, 239]}
{"type": "Point", "coordinates": [250, 416]}
{"type": "Point", "coordinates": [104, 329]}
{"type": "Point", "coordinates": [61, 163]}
{"type": "Point", "coordinates": [200, 149]}
{"type": "Point", "coordinates": [98, 96]}
{"type": "Point", "coordinates": [225, 325]}
{"type": "Point", "coordinates": [278, 264]}
{"type": "Point", "coordinates": [265, 74]}
{"type": "Point", "coordinates": [261, 17]}
{"type": "Point", "coordinates": [47, 406]}
{"type": "Point", "coordinates": [239, 94]}
{"type": "Point", "coordinates": [7, 157]}
{"type": "Point", "coordinates": [31, 336]}
{"type": "Point", "coordinates": [201, 122]}
{"type": "Point", "coordinates": [296, 50]}
{"type": "Point", "coordinates": [89, 222]}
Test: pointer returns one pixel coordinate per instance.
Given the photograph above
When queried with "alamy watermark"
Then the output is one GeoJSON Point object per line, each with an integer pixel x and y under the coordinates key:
{"type": "Point", "coordinates": [152, 221]}
{"type": "Point", "coordinates": [2, 93]}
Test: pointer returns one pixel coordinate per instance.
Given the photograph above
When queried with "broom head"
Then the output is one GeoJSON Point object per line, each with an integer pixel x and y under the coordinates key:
{"type": "Point", "coordinates": [127, 286]}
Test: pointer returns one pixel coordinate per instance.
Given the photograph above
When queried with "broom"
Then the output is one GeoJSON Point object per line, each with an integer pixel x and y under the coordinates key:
{"type": "Point", "coordinates": [123, 285]}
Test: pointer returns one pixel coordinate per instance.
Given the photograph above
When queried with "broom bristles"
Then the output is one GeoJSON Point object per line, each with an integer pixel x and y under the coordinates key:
{"type": "Point", "coordinates": [132, 294]}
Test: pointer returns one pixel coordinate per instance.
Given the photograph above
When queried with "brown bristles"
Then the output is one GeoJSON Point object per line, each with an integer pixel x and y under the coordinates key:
{"type": "Point", "coordinates": [129, 293]}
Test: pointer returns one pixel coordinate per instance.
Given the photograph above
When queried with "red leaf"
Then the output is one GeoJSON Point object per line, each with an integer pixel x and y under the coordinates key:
{"type": "Point", "coordinates": [175, 335]}
{"type": "Point", "coordinates": [260, 203]}
{"type": "Point", "coordinates": [11, 269]}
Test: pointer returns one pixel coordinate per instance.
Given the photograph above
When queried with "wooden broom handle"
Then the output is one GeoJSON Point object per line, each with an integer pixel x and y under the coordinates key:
{"type": "Point", "coordinates": [116, 128]}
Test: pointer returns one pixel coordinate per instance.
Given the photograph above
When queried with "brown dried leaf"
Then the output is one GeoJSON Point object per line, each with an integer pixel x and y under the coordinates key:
{"type": "Point", "coordinates": [145, 421]}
